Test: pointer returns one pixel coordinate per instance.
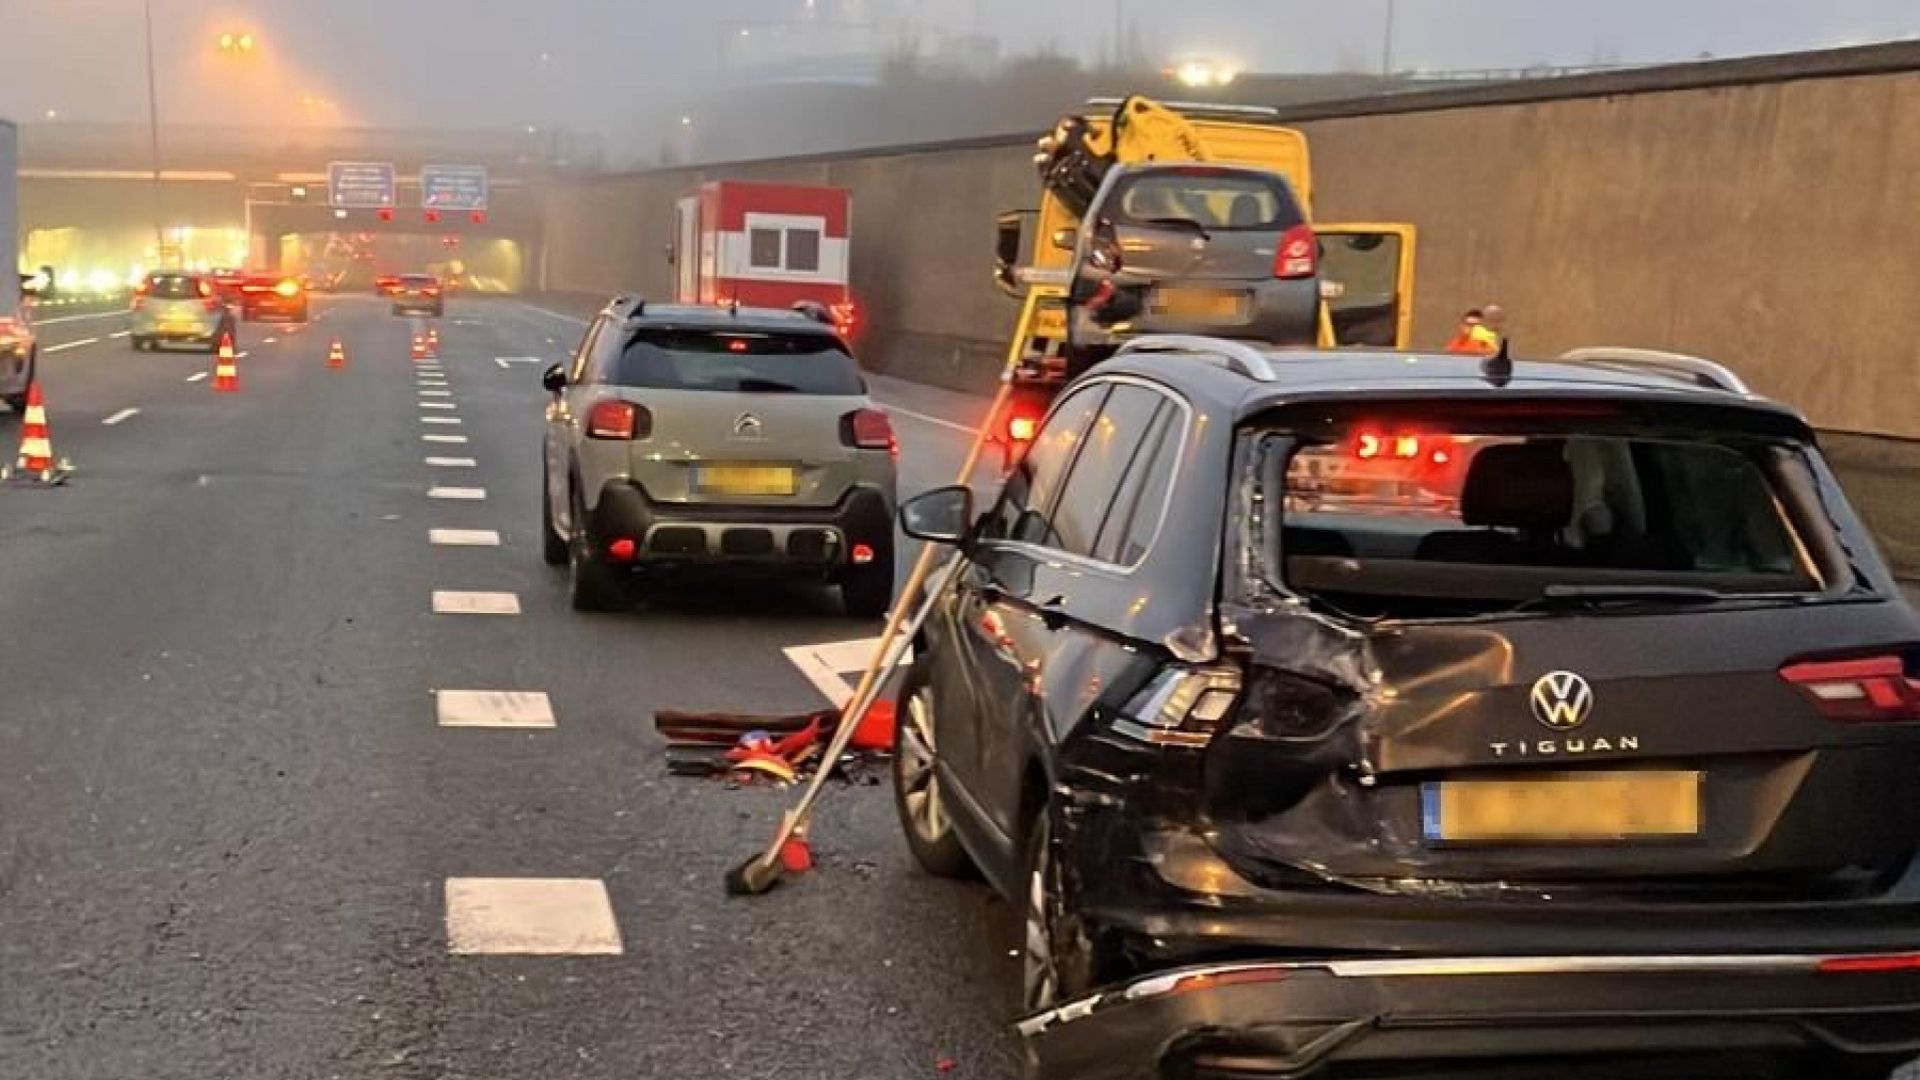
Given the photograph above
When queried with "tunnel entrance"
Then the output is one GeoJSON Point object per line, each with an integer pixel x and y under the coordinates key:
{"type": "Point", "coordinates": [469, 262]}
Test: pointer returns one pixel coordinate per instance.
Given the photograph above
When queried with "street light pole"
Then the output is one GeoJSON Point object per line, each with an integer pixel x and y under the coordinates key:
{"type": "Point", "coordinates": [153, 133]}
{"type": "Point", "coordinates": [1386, 44]}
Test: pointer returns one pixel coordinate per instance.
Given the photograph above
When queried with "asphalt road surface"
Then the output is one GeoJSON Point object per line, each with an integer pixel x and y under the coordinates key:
{"type": "Point", "coordinates": [231, 826]}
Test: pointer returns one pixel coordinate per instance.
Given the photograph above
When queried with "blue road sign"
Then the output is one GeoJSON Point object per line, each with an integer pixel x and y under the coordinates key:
{"type": "Point", "coordinates": [360, 185]}
{"type": "Point", "coordinates": [453, 187]}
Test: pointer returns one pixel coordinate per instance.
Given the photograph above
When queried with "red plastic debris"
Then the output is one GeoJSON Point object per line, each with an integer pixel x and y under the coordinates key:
{"type": "Point", "coordinates": [946, 1064]}
{"type": "Point", "coordinates": [796, 856]}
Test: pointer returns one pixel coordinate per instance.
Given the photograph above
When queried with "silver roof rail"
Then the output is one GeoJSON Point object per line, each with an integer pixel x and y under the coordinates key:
{"type": "Point", "coordinates": [1197, 108]}
{"type": "Point", "coordinates": [1694, 369]}
{"type": "Point", "coordinates": [1237, 355]}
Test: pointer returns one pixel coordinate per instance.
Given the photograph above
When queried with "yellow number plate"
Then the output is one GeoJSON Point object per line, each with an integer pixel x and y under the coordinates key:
{"type": "Point", "coordinates": [1575, 807]}
{"type": "Point", "coordinates": [1212, 304]}
{"type": "Point", "coordinates": [744, 479]}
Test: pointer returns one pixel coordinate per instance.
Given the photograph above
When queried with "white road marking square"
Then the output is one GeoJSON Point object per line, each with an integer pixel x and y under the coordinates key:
{"type": "Point", "coordinates": [455, 602]}
{"type": "Point", "coordinates": [439, 419]}
{"type": "Point", "coordinates": [825, 665]}
{"type": "Point", "coordinates": [438, 405]}
{"type": "Point", "coordinates": [452, 462]}
{"type": "Point", "coordinates": [454, 439]}
{"type": "Point", "coordinates": [472, 494]}
{"type": "Point", "coordinates": [464, 537]}
{"type": "Point", "coordinates": [531, 917]}
{"type": "Point", "coordinates": [493, 709]}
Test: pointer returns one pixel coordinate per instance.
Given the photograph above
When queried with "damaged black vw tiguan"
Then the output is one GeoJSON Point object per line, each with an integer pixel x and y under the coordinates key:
{"type": "Point", "coordinates": [1331, 711]}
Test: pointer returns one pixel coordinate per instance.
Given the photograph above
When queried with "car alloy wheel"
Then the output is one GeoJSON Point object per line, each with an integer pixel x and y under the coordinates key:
{"type": "Point", "coordinates": [1039, 969]}
{"type": "Point", "coordinates": [919, 780]}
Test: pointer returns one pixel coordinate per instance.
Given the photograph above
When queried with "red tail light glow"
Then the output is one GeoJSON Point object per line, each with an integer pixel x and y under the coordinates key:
{"type": "Point", "coordinates": [1872, 690]}
{"type": "Point", "coordinates": [1298, 255]}
{"type": "Point", "coordinates": [869, 429]}
{"type": "Point", "coordinates": [205, 289]}
{"type": "Point", "coordinates": [1372, 445]}
{"type": "Point", "coordinates": [619, 420]}
{"type": "Point", "coordinates": [846, 317]}
{"type": "Point", "coordinates": [1022, 429]}
{"type": "Point", "coordinates": [1881, 963]}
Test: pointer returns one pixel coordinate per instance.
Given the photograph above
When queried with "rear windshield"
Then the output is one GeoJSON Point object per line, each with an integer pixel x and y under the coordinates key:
{"type": "Point", "coordinates": [1420, 522]}
{"type": "Point", "coordinates": [749, 362]}
{"type": "Point", "coordinates": [173, 286]}
{"type": "Point", "coordinates": [417, 281]}
{"type": "Point", "coordinates": [1218, 200]}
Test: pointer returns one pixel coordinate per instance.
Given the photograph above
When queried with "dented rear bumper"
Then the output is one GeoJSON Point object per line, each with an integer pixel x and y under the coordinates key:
{"type": "Point", "coordinates": [1294, 1019]}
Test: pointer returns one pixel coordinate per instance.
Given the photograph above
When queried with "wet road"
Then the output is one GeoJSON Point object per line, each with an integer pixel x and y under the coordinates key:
{"type": "Point", "coordinates": [230, 824]}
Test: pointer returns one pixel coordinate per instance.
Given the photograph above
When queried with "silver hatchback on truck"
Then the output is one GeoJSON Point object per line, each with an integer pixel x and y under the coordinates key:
{"type": "Point", "coordinates": [683, 436]}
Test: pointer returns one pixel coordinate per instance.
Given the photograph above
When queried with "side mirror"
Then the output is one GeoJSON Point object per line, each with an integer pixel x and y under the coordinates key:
{"type": "Point", "coordinates": [941, 516]}
{"type": "Point", "coordinates": [1065, 238]}
{"type": "Point", "coordinates": [554, 378]}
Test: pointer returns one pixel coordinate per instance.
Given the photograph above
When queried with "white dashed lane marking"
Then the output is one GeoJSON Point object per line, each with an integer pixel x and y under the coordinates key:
{"type": "Point", "coordinates": [470, 494]}
{"type": "Point", "coordinates": [123, 414]}
{"type": "Point", "coordinates": [439, 419]}
{"type": "Point", "coordinates": [436, 393]}
{"type": "Point", "coordinates": [463, 537]}
{"type": "Point", "coordinates": [455, 439]}
{"type": "Point", "coordinates": [121, 334]}
{"type": "Point", "coordinates": [457, 602]}
{"type": "Point", "coordinates": [531, 916]}
{"type": "Point", "coordinates": [196, 376]}
{"type": "Point", "coordinates": [70, 345]}
{"type": "Point", "coordinates": [452, 462]}
{"type": "Point", "coordinates": [493, 709]}
{"type": "Point", "coordinates": [438, 405]}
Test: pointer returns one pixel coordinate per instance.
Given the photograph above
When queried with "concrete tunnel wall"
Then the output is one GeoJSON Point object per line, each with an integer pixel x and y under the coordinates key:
{"type": "Point", "coordinates": [1762, 212]}
{"type": "Point", "coordinates": [1773, 224]}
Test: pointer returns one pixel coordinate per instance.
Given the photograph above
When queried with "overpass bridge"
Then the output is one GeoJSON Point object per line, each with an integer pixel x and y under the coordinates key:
{"type": "Point", "coordinates": [92, 203]}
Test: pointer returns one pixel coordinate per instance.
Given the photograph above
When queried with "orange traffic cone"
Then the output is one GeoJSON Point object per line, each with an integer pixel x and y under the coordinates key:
{"type": "Point", "coordinates": [36, 446]}
{"type": "Point", "coordinates": [226, 373]}
{"type": "Point", "coordinates": [419, 347]}
{"type": "Point", "coordinates": [337, 355]}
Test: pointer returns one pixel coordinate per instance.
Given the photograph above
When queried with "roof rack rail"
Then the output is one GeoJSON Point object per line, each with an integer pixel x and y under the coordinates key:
{"type": "Point", "coordinates": [1236, 355]}
{"type": "Point", "coordinates": [1198, 108]}
{"type": "Point", "coordinates": [1693, 369]}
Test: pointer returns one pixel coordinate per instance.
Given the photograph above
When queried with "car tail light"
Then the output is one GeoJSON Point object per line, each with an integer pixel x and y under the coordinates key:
{"type": "Point", "coordinates": [1372, 445]}
{"type": "Point", "coordinates": [619, 420]}
{"type": "Point", "coordinates": [1875, 689]}
{"type": "Point", "coordinates": [1022, 429]}
{"type": "Point", "coordinates": [205, 289]}
{"type": "Point", "coordinates": [1882, 962]}
{"type": "Point", "coordinates": [431, 290]}
{"type": "Point", "coordinates": [869, 429]}
{"type": "Point", "coordinates": [1183, 705]}
{"type": "Point", "coordinates": [1298, 255]}
{"type": "Point", "coordinates": [846, 317]}
{"type": "Point", "coordinates": [288, 288]}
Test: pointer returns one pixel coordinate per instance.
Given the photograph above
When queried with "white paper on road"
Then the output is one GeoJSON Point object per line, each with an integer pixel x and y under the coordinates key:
{"type": "Point", "coordinates": [493, 709]}
{"type": "Point", "coordinates": [455, 602]}
{"type": "Point", "coordinates": [531, 916]}
{"type": "Point", "coordinates": [827, 664]}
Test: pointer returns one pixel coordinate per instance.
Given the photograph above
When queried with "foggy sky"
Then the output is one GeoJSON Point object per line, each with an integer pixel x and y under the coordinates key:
{"type": "Point", "coordinates": [479, 63]}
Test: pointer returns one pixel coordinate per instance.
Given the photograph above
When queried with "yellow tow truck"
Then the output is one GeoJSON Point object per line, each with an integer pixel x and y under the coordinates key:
{"type": "Point", "coordinates": [1364, 271]}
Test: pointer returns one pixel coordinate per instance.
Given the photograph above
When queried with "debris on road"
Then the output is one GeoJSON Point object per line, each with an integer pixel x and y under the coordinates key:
{"type": "Point", "coordinates": [752, 749]}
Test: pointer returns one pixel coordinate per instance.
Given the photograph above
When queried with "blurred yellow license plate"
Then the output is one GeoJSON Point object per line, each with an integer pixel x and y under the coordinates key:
{"type": "Point", "coordinates": [743, 479]}
{"type": "Point", "coordinates": [1572, 807]}
{"type": "Point", "coordinates": [1200, 304]}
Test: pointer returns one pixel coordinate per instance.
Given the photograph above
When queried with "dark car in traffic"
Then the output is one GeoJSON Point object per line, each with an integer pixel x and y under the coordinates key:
{"type": "Point", "coordinates": [264, 296]}
{"type": "Point", "coordinates": [1339, 710]}
{"type": "Point", "coordinates": [418, 294]}
{"type": "Point", "coordinates": [1192, 248]}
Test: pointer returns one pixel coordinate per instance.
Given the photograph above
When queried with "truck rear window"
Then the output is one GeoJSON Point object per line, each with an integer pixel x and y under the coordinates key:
{"type": "Point", "coordinates": [743, 362]}
{"type": "Point", "coordinates": [1218, 200]}
{"type": "Point", "coordinates": [1418, 522]}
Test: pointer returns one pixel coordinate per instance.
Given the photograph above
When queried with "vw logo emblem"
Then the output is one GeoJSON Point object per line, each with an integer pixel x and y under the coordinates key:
{"type": "Point", "coordinates": [1561, 700]}
{"type": "Point", "coordinates": [746, 426]}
